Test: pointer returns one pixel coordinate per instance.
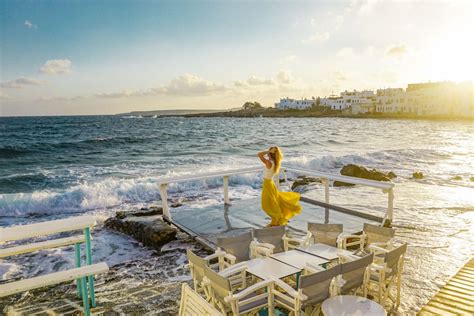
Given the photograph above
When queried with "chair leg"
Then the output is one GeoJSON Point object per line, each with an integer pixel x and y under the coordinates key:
{"type": "Point", "coordinates": [399, 285]}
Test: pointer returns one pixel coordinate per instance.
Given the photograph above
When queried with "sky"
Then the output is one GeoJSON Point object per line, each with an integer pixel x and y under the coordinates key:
{"type": "Point", "coordinates": [107, 57]}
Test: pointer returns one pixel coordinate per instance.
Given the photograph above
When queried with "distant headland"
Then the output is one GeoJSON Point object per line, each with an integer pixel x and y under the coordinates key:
{"type": "Point", "coordinates": [179, 112]}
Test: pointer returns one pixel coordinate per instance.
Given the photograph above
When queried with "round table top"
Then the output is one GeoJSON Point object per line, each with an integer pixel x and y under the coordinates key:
{"type": "Point", "coordinates": [351, 305]}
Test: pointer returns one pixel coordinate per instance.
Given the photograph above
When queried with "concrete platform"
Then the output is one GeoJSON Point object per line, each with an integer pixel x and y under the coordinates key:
{"type": "Point", "coordinates": [213, 221]}
{"type": "Point", "coordinates": [456, 297]}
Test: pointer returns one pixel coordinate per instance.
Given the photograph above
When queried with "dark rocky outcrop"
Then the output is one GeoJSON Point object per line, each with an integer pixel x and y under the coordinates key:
{"type": "Point", "coordinates": [417, 175]}
{"type": "Point", "coordinates": [145, 226]}
{"type": "Point", "coordinates": [342, 184]}
{"type": "Point", "coordinates": [457, 178]}
{"type": "Point", "coordinates": [304, 180]}
{"type": "Point", "coordinates": [472, 179]}
{"type": "Point", "coordinates": [356, 171]}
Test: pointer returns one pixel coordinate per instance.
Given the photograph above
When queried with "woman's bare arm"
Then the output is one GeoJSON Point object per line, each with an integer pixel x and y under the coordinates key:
{"type": "Point", "coordinates": [267, 162]}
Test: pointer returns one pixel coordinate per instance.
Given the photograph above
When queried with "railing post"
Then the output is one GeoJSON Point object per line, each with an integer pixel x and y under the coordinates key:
{"type": "Point", "coordinates": [326, 200]}
{"type": "Point", "coordinates": [226, 190]}
{"type": "Point", "coordinates": [390, 206]}
{"type": "Point", "coordinates": [164, 200]}
{"type": "Point", "coordinates": [326, 190]}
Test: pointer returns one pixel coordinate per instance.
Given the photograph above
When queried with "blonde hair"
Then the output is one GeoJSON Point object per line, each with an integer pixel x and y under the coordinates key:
{"type": "Point", "coordinates": [277, 157]}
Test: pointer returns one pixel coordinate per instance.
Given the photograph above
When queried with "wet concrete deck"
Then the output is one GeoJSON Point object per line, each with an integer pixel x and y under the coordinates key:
{"type": "Point", "coordinates": [213, 221]}
{"type": "Point", "coordinates": [456, 297]}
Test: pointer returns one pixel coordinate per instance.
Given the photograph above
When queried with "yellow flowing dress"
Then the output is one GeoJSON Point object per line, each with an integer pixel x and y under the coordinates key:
{"type": "Point", "coordinates": [280, 206]}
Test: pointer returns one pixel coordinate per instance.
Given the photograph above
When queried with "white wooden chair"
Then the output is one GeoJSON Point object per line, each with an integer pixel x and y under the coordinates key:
{"type": "Point", "coordinates": [249, 300]}
{"type": "Point", "coordinates": [192, 304]}
{"type": "Point", "coordinates": [354, 276]}
{"type": "Point", "coordinates": [84, 275]}
{"type": "Point", "coordinates": [315, 286]}
{"type": "Point", "coordinates": [327, 234]}
{"type": "Point", "coordinates": [387, 275]}
{"type": "Point", "coordinates": [236, 249]}
{"type": "Point", "coordinates": [270, 240]}
{"type": "Point", "coordinates": [373, 239]}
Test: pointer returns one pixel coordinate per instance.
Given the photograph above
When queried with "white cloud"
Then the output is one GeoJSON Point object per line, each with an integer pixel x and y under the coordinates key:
{"type": "Point", "coordinates": [317, 37]}
{"type": "Point", "coordinates": [345, 52]}
{"type": "Point", "coordinates": [30, 25]}
{"type": "Point", "coordinates": [4, 96]}
{"type": "Point", "coordinates": [396, 51]}
{"type": "Point", "coordinates": [20, 83]}
{"type": "Point", "coordinates": [365, 7]}
{"type": "Point", "coordinates": [339, 76]}
{"type": "Point", "coordinates": [120, 94]}
{"type": "Point", "coordinates": [289, 58]}
{"type": "Point", "coordinates": [284, 77]}
{"type": "Point", "coordinates": [185, 85]}
{"type": "Point", "coordinates": [188, 84]}
{"type": "Point", "coordinates": [259, 81]}
{"type": "Point", "coordinates": [56, 67]}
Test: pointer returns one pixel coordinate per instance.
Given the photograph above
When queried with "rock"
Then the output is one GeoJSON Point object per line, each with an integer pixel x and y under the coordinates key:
{"type": "Point", "coordinates": [391, 175]}
{"type": "Point", "coordinates": [472, 179]}
{"type": "Point", "coordinates": [417, 175]}
{"type": "Point", "coordinates": [457, 178]}
{"type": "Point", "coordinates": [152, 211]}
{"type": "Point", "coordinates": [151, 231]}
{"type": "Point", "coordinates": [342, 184]}
{"type": "Point", "coordinates": [352, 170]}
{"type": "Point", "coordinates": [304, 180]}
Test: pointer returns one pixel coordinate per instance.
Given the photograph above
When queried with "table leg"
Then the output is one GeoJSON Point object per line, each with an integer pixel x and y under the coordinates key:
{"type": "Point", "coordinates": [87, 233]}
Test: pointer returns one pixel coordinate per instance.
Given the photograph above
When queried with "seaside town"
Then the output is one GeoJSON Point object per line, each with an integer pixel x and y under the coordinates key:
{"type": "Point", "coordinates": [419, 99]}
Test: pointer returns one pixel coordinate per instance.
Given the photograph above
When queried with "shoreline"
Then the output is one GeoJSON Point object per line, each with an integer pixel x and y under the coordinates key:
{"type": "Point", "coordinates": [274, 113]}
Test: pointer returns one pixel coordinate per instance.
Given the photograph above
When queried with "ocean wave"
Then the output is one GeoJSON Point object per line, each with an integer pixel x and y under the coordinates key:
{"type": "Point", "coordinates": [112, 192]}
{"type": "Point", "coordinates": [115, 190]}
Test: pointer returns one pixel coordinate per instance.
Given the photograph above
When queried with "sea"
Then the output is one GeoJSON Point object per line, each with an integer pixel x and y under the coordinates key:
{"type": "Point", "coordinates": [55, 167]}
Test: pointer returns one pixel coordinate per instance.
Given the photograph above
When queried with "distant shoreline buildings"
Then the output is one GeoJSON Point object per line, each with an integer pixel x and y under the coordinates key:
{"type": "Point", "coordinates": [432, 98]}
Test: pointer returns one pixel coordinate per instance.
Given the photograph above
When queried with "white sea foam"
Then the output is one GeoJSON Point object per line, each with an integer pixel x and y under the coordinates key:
{"type": "Point", "coordinates": [113, 191]}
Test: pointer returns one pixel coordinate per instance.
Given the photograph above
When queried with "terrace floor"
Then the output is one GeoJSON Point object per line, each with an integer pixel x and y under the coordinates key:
{"type": "Point", "coordinates": [212, 221]}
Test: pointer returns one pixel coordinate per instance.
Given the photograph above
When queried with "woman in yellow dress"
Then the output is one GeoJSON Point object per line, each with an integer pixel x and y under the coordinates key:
{"type": "Point", "coordinates": [280, 206]}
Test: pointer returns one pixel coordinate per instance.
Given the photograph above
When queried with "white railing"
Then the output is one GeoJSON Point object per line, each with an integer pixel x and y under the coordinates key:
{"type": "Point", "coordinates": [386, 187]}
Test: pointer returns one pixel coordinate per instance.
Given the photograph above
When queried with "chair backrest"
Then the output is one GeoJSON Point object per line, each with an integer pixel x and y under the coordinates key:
{"type": "Point", "coordinates": [353, 272]}
{"type": "Point", "coordinates": [238, 246]}
{"type": "Point", "coordinates": [325, 233]}
{"type": "Point", "coordinates": [198, 265]}
{"type": "Point", "coordinates": [271, 235]}
{"type": "Point", "coordinates": [377, 233]}
{"type": "Point", "coordinates": [220, 285]}
{"type": "Point", "coordinates": [193, 304]}
{"type": "Point", "coordinates": [393, 257]}
{"type": "Point", "coordinates": [317, 286]}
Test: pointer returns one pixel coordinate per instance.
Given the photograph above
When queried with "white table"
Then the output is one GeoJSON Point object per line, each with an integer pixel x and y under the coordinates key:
{"type": "Point", "coordinates": [298, 259]}
{"type": "Point", "coordinates": [267, 268]}
{"type": "Point", "coordinates": [350, 305]}
{"type": "Point", "coordinates": [324, 251]}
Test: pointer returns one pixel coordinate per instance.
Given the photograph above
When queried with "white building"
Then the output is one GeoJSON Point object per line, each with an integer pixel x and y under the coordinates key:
{"type": "Point", "coordinates": [356, 101]}
{"type": "Point", "coordinates": [288, 103]}
{"type": "Point", "coordinates": [434, 98]}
